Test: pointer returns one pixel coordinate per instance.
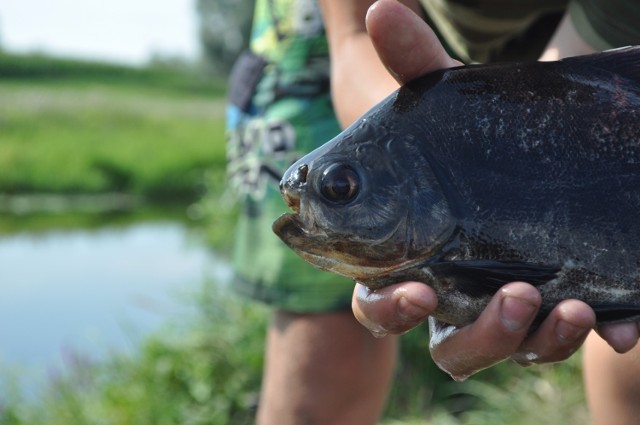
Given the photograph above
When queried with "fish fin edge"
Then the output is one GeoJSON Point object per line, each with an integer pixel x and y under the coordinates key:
{"type": "Point", "coordinates": [623, 61]}
{"type": "Point", "coordinates": [615, 313]}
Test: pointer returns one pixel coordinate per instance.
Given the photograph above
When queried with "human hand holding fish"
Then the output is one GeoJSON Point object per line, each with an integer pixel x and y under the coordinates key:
{"type": "Point", "coordinates": [501, 331]}
{"type": "Point", "coordinates": [497, 334]}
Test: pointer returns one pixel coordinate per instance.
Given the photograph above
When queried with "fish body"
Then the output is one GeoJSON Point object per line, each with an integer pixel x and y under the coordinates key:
{"type": "Point", "coordinates": [473, 177]}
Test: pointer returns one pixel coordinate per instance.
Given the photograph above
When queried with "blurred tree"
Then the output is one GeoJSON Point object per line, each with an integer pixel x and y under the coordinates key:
{"type": "Point", "coordinates": [224, 31]}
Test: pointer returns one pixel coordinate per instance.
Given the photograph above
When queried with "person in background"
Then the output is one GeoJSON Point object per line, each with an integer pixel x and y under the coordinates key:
{"type": "Point", "coordinates": [321, 365]}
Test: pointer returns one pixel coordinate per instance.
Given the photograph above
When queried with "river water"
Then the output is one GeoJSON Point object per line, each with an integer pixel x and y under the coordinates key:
{"type": "Point", "coordinates": [93, 292]}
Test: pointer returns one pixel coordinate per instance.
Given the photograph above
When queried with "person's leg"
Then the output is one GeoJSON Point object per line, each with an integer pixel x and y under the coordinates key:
{"type": "Point", "coordinates": [324, 369]}
{"type": "Point", "coordinates": [612, 383]}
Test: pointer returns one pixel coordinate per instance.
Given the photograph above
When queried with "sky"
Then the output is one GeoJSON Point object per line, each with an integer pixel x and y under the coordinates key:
{"type": "Point", "coordinates": [123, 31]}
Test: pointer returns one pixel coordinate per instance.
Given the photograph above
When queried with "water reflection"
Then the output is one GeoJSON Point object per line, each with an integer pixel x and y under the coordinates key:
{"type": "Point", "coordinates": [93, 291]}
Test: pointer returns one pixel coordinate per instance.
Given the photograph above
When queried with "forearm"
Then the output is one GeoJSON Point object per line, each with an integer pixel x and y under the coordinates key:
{"type": "Point", "coordinates": [566, 42]}
{"type": "Point", "coordinates": [359, 80]}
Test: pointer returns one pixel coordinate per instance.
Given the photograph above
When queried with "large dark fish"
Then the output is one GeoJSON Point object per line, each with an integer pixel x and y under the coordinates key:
{"type": "Point", "coordinates": [473, 177]}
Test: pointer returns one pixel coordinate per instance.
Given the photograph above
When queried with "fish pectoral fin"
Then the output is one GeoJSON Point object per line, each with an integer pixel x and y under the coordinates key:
{"type": "Point", "coordinates": [482, 277]}
{"type": "Point", "coordinates": [611, 313]}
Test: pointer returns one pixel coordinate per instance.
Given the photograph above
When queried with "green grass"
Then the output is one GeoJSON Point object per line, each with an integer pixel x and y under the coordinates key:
{"type": "Point", "coordinates": [98, 138]}
{"type": "Point", "coordinates": [69, 126]}
{"type": "Point", "coordinates": [34, 67]}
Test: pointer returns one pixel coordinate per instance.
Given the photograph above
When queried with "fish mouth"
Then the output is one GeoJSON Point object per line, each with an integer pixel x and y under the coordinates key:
{"type": "Point", "coordinates": [318, 249]}
{"type": "Point", "coordinates": [296, 235]}
{"type": "Point", "coordinates": [287, 227]}
{"type": "Point", "coordinates": [290, 228]}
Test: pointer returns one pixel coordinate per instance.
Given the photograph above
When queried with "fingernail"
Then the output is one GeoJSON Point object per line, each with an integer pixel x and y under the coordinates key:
{"type": "Point", "coordinates": [411, 312]}
{"type": "Point", "coordinates": [376, 330]}
{"type": "Point", "coordinates": [516, 313]}
{"type": "Point", "coordinates": [568, 332]}
{"type": "Point", "coordinates": [378, 333]}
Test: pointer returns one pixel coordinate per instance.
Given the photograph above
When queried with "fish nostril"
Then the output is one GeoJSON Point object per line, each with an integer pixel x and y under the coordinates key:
{"type": "Point", "coordinates": [302, 173]}
{"type": "Point", "coordinates": [291, 184]}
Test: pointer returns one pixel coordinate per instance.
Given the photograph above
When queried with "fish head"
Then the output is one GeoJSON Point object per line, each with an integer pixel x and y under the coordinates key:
{"type": "Point", "coordinates": [355, 206]}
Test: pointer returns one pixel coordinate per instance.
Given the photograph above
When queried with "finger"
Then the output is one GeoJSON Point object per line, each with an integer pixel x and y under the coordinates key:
{"type": "Point", "coordinates": [394, 309]}
{"type": "Point", "coordinates": [405, 43]}
{"type": "Point", "coordinates": [560, 334]}
{"type": "Point", "coordinates": [493, 337]}
{"type": "Point", "coordinates": [622, 337]}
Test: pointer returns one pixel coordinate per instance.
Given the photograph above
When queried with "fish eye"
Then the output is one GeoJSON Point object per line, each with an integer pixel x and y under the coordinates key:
{"type": "Point", "coordinates": [340, 183]}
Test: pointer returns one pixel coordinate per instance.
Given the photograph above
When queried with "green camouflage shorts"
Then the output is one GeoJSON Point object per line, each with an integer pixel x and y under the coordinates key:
{"type": "Point", "coordinates": [259, 150]}
{"type": "Point", "coordinates": [279, 109]}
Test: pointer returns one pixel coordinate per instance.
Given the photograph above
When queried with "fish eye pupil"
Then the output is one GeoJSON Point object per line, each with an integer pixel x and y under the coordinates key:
{"type": "Point", "coordinates": [340, 183]}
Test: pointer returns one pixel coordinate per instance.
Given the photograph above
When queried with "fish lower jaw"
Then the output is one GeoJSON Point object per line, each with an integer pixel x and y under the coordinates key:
{"type": "Point", "coordinates": [357, 272]}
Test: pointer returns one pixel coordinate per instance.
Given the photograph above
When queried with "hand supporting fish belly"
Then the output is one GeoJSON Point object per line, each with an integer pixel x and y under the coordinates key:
{"type": "Point", "coordinates": [472, 177]}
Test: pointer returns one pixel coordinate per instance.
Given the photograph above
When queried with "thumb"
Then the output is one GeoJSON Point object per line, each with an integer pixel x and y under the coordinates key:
{"type": "Point", "coordinates": [405, 43]}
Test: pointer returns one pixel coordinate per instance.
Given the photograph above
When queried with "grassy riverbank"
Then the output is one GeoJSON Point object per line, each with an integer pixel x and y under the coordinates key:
{"type": "Point", "coordinates": [71, 129]}
{"type": "Point", "coordinates": [101, 129]}
{"type": "Point", "coordinates": [206, 370]}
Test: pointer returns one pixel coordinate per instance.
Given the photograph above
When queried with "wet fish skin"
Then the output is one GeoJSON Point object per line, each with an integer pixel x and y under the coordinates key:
{"type": "Point", "coordinates": [473, 177]}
